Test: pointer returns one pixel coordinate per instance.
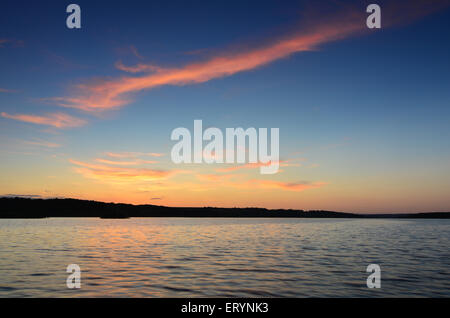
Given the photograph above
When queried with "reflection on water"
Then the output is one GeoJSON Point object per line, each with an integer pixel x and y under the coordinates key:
{"type": "Point", "coordinates": [174, 257]}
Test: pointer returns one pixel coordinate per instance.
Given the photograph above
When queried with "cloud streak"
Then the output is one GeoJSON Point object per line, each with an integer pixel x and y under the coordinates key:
{"type": "Point", "coordinates": [133, 154]}
{"type": "Point", "coordinates": [43, 143]}
{"type": "Point", "coordinates": [5, 90]}
{"type": "Point", "coordinates": [125, 163]}
{"type": "Point", "coordinates": [107, 94]}
{"type": "Point", "coordinates": [239, 182]}
{"type": "Point", "coordinates": [282, 163]}
{"type": "Point", "coordinates": [12, 42]}
{"type": "Point", "coordinates": [57, 120]}
{"type": "Point", "coordinates": [114, 174]}
{"type": "Point", "coordinates": [290, 186]}
{"type": "Point", "coordinates": [139, 68]}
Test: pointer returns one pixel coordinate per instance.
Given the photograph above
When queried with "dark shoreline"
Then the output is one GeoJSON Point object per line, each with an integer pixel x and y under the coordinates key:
{"type": "Point", "coordinates": [26, 208]}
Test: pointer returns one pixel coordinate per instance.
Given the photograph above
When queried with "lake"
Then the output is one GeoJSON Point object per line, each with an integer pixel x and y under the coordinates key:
{"type": "Point", "coordinates": [219, 257]}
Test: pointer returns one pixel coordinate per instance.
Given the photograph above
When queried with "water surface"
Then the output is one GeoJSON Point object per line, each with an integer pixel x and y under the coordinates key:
{"type": "Point", "coordinates": [176, 257]}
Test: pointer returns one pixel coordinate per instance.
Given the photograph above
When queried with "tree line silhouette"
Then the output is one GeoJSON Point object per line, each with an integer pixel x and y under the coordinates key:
{"type": "Point", "coordinates": [15, 207]}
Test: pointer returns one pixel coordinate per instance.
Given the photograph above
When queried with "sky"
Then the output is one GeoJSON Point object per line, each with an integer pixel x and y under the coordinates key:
{"type": "Point", "coordinates": [363, 113]}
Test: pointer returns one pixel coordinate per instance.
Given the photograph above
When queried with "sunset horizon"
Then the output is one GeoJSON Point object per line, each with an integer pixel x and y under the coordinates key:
{"type": "Point", "coordinates": [224, 157]}
{"type": "Point", "coordinates": [97, 123]}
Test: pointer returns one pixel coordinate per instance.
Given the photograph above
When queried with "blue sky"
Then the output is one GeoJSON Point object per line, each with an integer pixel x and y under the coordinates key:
{"type": "Point", "coordinates": [367, 115]}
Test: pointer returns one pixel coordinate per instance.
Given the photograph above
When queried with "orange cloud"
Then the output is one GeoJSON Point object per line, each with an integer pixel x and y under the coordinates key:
{"type": "Point", "coordinates": [4, 90]}
{"type": "Point", "coordinates": [14, 43]}
{"type": "Point", "coordinates": [215, 177]}
{"type": "Point", "coordinates": [239, 182]}
{"type": "Point", "coordinates": [139, 68]}
{"type": "Point", "coordinates": [43, 143]}
{"type": "Point", "coordinates": [120, 174]}
{"type": "Point", "coordinates": [107, 94]}
{"type": "Point", "coordinates": [125, 163]}
{"type": "Point", "coordinates": [291, 186]}
{"type": "Point", "coordinates": [257, 165]}
{"type": "Point", "coordinates": [112, 93]}
{"type": "Point", "coordinates": [133, 154]}
{"type": "Point", "coordinates": [58, 120]}
{"type": "Point", "coordinates": [129, 50]}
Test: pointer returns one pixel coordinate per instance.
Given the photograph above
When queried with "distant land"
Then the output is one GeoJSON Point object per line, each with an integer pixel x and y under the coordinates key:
{"type": "Point", "coordinates": [14, 207]}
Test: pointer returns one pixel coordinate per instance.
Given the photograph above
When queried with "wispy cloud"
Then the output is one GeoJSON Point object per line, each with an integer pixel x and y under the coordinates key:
{"type": "Point", "coordinates": [11, 42]}
{"type": "Point", "coordinates": [42, 143]}
{"type": "Point", "coordinates": [5, 90]}
{"type": "Point", "coordinates": [57, 120]}
{"type": "Point", "coordinates": [133, 154]}
{"type": "Point", "coordinates": [285, 163]}
{"type": "Point", "coordinates": [290, 186]}
{"type": "Point", "coordinates": [139, 68]}
{"type": "Point", "coordinates": [107, 94]}
{"type": "Point", "coordinates": [216, 177]}
{"type": "Point", "coordinates": [120, 173]}
{"type": "Point", "coordinates": [100, 95]}
{"type": "Point", "coordinates": [125, 163]}
{"type": "Point", "coordinates": [135, 52]}
{"type": "Point", "coordinates": [61, 61]}
{"type": "Point", "coordinates": [114, 174]}
{"type": "Point", "coordinates": [129, 50]}
{"type": "Point", "coordinates": [241, 182]}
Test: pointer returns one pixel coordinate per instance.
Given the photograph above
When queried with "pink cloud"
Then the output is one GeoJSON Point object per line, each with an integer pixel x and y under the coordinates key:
{"type": "Point", "coordinates": [5, 90]}
{"type": "Point", "coordinates": [116, 174]}
{"type": "Point", "coordinates": [139, 68]}
{"type": "Point", "coordinates": [107, 94]}
{"type": "Point", "coordinates": [43, 143]}
{"type": "Point", "coordinates": [133, 154]}
{"type": "Point", "coordinates": [58, 120]}
{"type": "Point", "coordinates": [290, 186]}
{"type": "Point", "coordinates": [256, 165]}
{"type": "Point", "coordinates": [11, 42]}
{"type": "Point", "coordinates": [239, 181]}
{"type": "Point", "coordinates": [125, 163]}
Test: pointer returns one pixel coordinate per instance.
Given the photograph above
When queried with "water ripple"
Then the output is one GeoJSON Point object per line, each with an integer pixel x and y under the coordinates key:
{"type": "Point", "coordinates": [224, 257]}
